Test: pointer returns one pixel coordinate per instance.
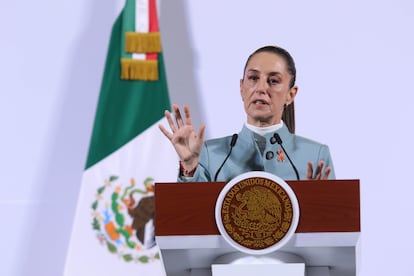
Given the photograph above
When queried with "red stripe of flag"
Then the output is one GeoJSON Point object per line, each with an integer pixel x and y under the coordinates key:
{"type": "Point", "coordinates": [153, 25]}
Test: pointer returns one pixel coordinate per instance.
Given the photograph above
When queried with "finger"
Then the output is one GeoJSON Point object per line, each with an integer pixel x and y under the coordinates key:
{"type": "Point", "coordinates": [201, 132]}
{"type": "Point", "coordinates": [326, 173]}
{"type": "Point", "coordinates": [187, 114]}
{"type": "Point", "coordinates": [309, 172]}
{"type": "Point", "coordinates": [170, 120]}
{"type": "Point", "coordinates": [165, 132]}
{"type": "Point", "coordinates": [318, 172]}
{"type": "Point", "coordinates": [178, 117]}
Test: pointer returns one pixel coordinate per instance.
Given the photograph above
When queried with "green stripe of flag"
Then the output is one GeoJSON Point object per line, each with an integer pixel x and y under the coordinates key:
{"type": "Point", "coordinates": [125, 108]}
{"type": "Point", "coordinates": [128, 25]}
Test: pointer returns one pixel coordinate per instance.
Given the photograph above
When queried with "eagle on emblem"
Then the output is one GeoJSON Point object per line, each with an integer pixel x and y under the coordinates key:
{"type": "Point", "coordinates": [142, 213]}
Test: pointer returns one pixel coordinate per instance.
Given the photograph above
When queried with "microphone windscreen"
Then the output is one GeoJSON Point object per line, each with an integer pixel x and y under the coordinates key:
{"type": "Point", "coordinates": [278, 139]}
{"type": "Point", "coordinates": [234, 139]}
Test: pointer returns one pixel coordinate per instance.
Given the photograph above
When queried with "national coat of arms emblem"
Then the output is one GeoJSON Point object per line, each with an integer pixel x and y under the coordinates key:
{"type": "Point", "coordinates": [257, 212]}
{"type": "Point", "coordinates": [122, 217]}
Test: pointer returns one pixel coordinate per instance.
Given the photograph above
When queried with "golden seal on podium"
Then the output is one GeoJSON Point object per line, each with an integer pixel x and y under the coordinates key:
{"type": "Point", "coordinates": [257, 212]}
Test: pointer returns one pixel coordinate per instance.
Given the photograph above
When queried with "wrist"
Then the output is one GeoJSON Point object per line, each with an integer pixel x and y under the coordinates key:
{"type": "Point", "coordinates": [190, 162]}
{"type": "Point", "coordinates": [186, 170]}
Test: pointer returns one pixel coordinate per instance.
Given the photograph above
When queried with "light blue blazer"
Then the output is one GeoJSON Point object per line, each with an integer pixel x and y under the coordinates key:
{"type": "Point", "coordinates": [246, 156]}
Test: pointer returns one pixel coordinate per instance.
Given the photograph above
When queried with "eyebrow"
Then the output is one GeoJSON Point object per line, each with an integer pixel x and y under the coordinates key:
{"type": "Point", "coordinates": [273, 73]}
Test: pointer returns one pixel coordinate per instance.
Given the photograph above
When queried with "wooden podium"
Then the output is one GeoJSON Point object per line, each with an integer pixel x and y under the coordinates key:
{"type": "Point", "coordinates": [327, 236]}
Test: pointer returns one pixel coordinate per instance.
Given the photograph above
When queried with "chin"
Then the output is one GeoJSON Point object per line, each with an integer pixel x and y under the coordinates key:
{"type": "Point", "coordinates": [262, 120]}
{"type": "Point", "coordinates": [261, 115]}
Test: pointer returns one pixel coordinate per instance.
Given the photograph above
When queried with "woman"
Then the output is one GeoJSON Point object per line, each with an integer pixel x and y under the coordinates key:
{"type": "Point", "coordinates": [266, 142]}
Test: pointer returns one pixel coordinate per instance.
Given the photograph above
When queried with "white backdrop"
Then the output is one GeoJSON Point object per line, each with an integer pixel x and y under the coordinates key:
{"type": "Point", "coordinates": [354, 60]}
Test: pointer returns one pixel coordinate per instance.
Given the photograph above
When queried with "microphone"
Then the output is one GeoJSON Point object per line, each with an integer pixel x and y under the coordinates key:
{"type": "Point", "coordinates": [276, 139]}
{"type": "Point", "coordinates": [232, 144]}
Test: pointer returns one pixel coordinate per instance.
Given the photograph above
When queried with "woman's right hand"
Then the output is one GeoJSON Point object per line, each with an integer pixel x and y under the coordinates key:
{"type": "Point", "coordinates": [186, 141]}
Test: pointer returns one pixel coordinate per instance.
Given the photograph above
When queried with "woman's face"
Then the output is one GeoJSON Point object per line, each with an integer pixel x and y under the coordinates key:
{"type": "Point", "coordinates": [265, 89]}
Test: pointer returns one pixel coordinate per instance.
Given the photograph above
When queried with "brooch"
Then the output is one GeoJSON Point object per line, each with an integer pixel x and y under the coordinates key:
{"type": "Point", "coordinates": [280, 156]}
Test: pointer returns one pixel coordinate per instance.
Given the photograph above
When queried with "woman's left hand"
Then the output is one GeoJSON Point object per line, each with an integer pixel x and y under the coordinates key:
{"type": "Point", "coordinates": [319, 173]}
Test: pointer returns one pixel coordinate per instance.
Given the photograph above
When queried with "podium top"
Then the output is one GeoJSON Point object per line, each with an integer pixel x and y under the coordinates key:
{"type": "Point", "coordinates": [325, 206]}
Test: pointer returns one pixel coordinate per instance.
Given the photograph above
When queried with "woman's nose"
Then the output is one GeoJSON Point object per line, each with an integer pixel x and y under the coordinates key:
{"type": "Point", "coordinates": [261, 86]}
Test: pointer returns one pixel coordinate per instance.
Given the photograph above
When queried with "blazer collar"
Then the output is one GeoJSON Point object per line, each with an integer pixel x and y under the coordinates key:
{"type": "Point", "coordinates": [246, 135]}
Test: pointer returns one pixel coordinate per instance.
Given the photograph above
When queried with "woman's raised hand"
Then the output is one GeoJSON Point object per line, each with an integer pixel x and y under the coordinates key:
{"type": "Point", "coordinates": [186, 141]}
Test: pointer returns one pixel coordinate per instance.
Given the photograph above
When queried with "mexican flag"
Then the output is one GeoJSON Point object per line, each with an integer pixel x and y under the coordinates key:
{"type": "Point", "coordinates": [113, 232]}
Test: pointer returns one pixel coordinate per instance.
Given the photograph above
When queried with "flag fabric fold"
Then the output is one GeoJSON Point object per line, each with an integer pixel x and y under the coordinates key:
{"type": "Point", "coordinates": [113, 230]}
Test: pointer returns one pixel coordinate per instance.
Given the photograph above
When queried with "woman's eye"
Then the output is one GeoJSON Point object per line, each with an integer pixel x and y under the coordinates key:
{"type": "Point", "coordinates": [254, 78]}
{"type": "Point", "coordinates": [273, 81]}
